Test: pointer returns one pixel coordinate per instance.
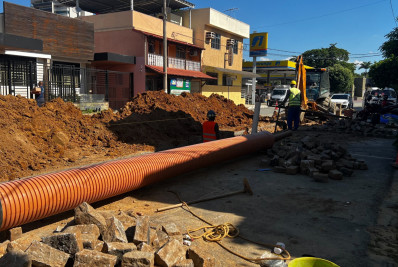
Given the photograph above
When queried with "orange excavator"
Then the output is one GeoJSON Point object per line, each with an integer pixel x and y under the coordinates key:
{"type": "Point", "coordinates": [315, 88]}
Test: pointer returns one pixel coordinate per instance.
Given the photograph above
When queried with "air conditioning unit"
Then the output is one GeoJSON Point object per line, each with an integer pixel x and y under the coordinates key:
{"type": "Point", "coordinates": [210, 35]}
{"type": "Point", "coordinates": [230, 42]}
{"type": "Point", "coordinates": [193, 52]}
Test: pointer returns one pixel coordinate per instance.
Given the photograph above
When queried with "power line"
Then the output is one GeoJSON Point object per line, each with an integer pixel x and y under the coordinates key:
{"type": "Point", "coordinates": [393, 15]}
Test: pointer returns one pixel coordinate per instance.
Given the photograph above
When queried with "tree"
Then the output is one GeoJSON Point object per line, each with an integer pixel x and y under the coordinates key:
{"type": "Point", "coordinates": [365, 65]}
{"type": "Point", "coordinates": [384, 72]}
{"type": "Point", "coordinates": [341, 79]}
{"type": "Point", "coordinates": [326, 57]}
{"type": "Point", "coordinates": [390, 47]}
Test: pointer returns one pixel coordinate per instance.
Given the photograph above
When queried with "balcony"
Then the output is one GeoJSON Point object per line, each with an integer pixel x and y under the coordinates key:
{"type": "Point", "coordinates": [176, 63]}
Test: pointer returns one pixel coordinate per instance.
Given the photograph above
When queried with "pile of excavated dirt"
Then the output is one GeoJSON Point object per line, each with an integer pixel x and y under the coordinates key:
{"type": "Point", "coordinates": [55, 136]}
{"type": "Point", "coordinates": [58, 136]}
{"type": "Point", "coordinates": [160, 119]}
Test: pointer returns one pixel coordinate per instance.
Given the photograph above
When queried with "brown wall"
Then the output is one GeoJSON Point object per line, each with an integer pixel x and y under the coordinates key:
{"type": "Point", "coordinates": [62, 37]}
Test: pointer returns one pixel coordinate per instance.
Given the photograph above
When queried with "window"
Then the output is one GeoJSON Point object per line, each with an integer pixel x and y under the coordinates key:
{"type": "Point", "coordinates": [236, 47]}
{"type": "Point", "coordinates": [226, 80]}
{"type": "Point", "coordinates": [180, 52]}
{"type": "Point", "coordinates": [212, 82]}
{"type": "Point", "coordinates": [215, 43]}
{"type": "Point", "coordinates": [151, 46]}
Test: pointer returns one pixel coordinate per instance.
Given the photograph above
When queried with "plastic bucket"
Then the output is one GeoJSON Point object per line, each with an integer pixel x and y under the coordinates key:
{"type": "Point", "coordinates": [311, 262]}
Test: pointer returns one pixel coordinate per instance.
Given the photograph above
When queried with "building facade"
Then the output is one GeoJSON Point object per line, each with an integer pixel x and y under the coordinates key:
{"type": "Point", "coordinates": [221, 37]}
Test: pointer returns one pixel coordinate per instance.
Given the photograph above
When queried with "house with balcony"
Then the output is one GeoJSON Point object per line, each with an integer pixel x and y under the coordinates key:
{"type": "Point", "coordinates": [136, 34]}
{"type": "Point", "coordinates": [221, 37]}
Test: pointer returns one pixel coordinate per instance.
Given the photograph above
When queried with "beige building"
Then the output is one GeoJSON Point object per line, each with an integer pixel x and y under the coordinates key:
{"type": "Point", "coordinates": [222, 38]}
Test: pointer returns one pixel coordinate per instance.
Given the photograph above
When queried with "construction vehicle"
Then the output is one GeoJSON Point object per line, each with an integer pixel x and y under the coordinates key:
{"type": "Point", "coordinates": [314, 85]}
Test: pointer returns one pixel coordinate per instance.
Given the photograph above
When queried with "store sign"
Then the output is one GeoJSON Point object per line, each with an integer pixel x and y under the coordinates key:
{"type": "Point", "coordinates": [258, 44]}
{"type": "Point", "coordinates": [178, 86]}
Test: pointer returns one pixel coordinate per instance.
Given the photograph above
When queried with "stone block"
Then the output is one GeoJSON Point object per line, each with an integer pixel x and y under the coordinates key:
{"type": "Point", "coordinates": [138, 259]}
{"type": "Point", "coordinates": [171, 229]}
{"type": "Point", "coordinates": [114, 231]}
{"type": "Point", "coordinates": [327, 165]}
{"type": "Point", "coordinates": [316, 158]}
{"type": "Point", "coordinates": [14, 233]}
{"type": "Point", "coordinates": [127, 220]}
{"type": "Point", "coordinates": [185, 263]}
{"type": "Point", "coordinates": [312, 171]}
{"type": "Point", "coordinates": [144, 247]}
{"type": "Point", "coordinates": [163, 238]}
{"type": "Point", "coordinates": [141, 230]}
{"type": "Point", "coordinates": [3, 247]}
{"type": "Point", "coordinates": [346, 171]}
{"type": "Point", "coordinates": [171, 253]}
{"type": "Point", "coordinates": [275, 161]}
{"type": "Point", "coordinates": [85, 214]}
{"type": "Point", "coordinates": [118, 249]}
{"type": "Point", "coordinates": [200, 257]}
{"type": "Point", "coordinates": [305, 165]}
{"type": "Point", "coordinates": [70, 243]}
{"type": "Point", "coordinates": [16, 258]}
{"type": "Point", "coordinates": [46, 256]}
{"type": "Point", "coordinates": [321, 177]}
{"type": "Point", "coordinates": [335, 175]}
{"type": "Point", "coordinates": [91, 229]}
{"type": "Point", "coordinates": [99, 246]}
{"type": "Point", "coordinates": [279, 169]}
{"type": "Point", "coordinates": [19, 244]}
{"type": "Point", "coordinates": [292, 170]}
{"type": "Point", "coordinates": [94, 258]}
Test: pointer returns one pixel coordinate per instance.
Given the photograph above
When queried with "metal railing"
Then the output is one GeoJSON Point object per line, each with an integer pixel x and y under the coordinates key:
{"type": "Point", "coordinates": [176, 63]}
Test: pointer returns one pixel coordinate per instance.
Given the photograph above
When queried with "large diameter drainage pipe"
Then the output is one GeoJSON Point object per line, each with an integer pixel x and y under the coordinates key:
{"type": "Point", "coordinates": [26, 200]}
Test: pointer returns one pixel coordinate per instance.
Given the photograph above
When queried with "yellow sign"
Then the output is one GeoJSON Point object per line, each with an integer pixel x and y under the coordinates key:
{"type": "Point", "coordinates": [258, 44]}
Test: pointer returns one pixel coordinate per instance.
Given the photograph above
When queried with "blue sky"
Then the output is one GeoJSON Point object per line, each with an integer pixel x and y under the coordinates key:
{"type": "Point", "coordinates": [358, 26]}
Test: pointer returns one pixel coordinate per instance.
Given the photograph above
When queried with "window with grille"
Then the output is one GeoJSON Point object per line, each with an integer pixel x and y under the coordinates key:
{"type": "Point", "coordinates": [215, 43]}
{"type": "Point", "coordinates": [180, 52]}
{"type": "Point", "coordinates": [236, 47]}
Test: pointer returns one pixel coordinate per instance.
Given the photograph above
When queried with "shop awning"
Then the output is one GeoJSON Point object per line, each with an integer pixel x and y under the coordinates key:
{"type": "Point", "coordinates": [181, 73]}
{"type": "Point", "coordinates": [245, 74]}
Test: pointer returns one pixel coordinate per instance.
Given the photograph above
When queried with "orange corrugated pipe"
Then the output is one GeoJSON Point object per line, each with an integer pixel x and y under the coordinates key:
{"type": "Point", "coordinates": [26, 200]}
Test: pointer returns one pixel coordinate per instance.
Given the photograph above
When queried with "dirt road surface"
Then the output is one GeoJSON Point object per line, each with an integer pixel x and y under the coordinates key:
{"type": "Point", "coordinates": [339, 220]}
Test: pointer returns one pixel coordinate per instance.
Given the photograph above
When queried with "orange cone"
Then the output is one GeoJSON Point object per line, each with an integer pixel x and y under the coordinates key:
{"type": "Point", "coordinates": [276, 105]}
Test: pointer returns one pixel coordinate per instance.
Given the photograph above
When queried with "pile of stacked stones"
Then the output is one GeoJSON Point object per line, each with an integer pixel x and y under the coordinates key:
{"type": "Point", "coordinates": [101, 238]}
{"type": "Point", "coordinates": [356, 127]}
{"type": "Point", "coordinates": [320, 160]}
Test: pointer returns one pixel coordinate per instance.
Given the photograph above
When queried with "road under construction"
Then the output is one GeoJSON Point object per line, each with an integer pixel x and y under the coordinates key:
{"type": "Point", "coordinates": [319, 185]}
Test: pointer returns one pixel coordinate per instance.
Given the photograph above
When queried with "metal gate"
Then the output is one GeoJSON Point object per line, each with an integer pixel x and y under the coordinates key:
{"type": "Point", "coordinates": [18, 75]}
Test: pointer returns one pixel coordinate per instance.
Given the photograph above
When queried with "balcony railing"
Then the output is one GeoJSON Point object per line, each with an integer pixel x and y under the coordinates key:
{"type": "Point", "coordinates": [176, 63]}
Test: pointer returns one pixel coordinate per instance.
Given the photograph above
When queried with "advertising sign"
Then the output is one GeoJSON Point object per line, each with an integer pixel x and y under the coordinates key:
{"type": "Point", "coordinates": [258, 44]}
{"type": "Point", "coordinates": [178, 86]}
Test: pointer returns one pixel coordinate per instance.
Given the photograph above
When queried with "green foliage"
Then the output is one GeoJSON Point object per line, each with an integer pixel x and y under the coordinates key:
{"type": "Point", "coordinates": [341, 79]}
{"type": "Point", "coordinates": [390, 47]}
{"type": "Point", "coordinates": [327, 57]}
{"type": "Point", "coordinates": [384, 72]}
{"type": "Point", "coordinates": [365, 65]}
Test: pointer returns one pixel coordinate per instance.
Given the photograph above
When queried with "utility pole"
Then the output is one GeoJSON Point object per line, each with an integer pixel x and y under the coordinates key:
{"type": "Point", "coordinates": [165, 85]}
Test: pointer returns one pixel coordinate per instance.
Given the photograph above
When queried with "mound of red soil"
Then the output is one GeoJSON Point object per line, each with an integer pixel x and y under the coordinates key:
{"type": "Point", "coordinates": [35, 140]}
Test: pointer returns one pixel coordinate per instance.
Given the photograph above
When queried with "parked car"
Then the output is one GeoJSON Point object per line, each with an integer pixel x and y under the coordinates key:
{"type": "Point", "coordinates": [344, 99]}
{"type": "Point", "coordinates": [392, 95]}
{"type": "Point", "coordinates": [278, 94]}
{"type": "Point", "coordinates": [375, 95]}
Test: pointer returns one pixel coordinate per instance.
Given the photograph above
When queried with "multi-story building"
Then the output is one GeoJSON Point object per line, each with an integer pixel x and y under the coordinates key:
{"type": "Point", "coordinates": [56, 7]}
{"type": "Point", "coordinates": [221, 37]}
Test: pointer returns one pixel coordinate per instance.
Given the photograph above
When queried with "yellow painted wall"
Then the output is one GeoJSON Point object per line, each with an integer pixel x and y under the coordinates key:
{"type": "Point", "coordinates": [141, 22]}
{"type": "Point", "coordinates": [146, 23]}
{"type": "Point", "coordinates": [215, 57]}
{"type": "Point", "coordinates": [234, 92]}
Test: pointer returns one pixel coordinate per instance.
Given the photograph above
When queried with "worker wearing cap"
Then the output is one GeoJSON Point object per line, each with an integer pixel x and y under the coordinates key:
{"type": "Point", "coordinates": [211, 131]}
{"type": "Point", "coordinates": [294, 111]}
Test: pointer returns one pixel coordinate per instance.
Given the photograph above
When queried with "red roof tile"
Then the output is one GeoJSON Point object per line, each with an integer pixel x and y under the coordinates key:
{"type": "Point", "coordinates": [180, 72]}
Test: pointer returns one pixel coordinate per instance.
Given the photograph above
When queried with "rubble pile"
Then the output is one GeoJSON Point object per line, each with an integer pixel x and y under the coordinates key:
{"type": "Point", "coordinates": [356, 127]}
{"type": "Point", "coordinates": [35, 139]}
{"type": "Point", "coordinates": [102, 238]}
{"type": "Point", "coordinates": [319, 160]}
